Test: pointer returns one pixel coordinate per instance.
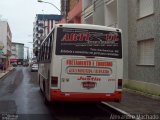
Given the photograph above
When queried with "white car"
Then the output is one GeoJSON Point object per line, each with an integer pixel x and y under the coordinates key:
{"type": "Point", "coordinates": [34, 67]}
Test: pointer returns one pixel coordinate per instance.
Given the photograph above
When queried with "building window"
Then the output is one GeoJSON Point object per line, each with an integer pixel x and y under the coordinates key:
{"type": "Point", "coordinates": [146, 52]}
{"type": "Point", "coordinates": [111, 13]}
{"type": "Point", "coordinates": [145, 8]}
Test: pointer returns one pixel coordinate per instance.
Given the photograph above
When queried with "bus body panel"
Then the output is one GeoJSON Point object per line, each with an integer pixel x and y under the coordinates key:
{"type": "Point", "coordinates": [82, 82]}
{"type": "Point", "coordinates": [58, 95]}
{"type": "Point", "coordinates": [44, 78]}
{"type": "Point", "coordinates": [88, 76]}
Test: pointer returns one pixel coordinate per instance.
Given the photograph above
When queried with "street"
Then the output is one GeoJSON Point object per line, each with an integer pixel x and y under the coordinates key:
{"type": "Point", "coordinates": [20, 95]}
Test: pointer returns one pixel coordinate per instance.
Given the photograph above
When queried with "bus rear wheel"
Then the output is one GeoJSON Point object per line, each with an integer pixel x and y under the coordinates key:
{"type": "Point", "coordinates": [46, 102]}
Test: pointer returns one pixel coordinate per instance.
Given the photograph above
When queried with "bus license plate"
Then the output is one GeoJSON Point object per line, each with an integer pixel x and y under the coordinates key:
{"type": "Point", "coordinates": [88, 85]}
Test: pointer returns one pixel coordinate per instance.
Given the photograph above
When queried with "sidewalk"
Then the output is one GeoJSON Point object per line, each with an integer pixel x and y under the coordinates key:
{"type": "Point", "coordinates": [136, 103]}
{"type": "Point", "coordinates": [4, 73]}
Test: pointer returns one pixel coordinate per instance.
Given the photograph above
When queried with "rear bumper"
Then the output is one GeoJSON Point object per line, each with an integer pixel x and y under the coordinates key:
{"type": "Point", "coordinates": [57, 95]}
{"type": "Point", "coordinates": [34, 69]}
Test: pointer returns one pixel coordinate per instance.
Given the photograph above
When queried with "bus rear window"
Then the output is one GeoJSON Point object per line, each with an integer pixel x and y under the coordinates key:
{"type": "Point", "coordinates": [87, 42]}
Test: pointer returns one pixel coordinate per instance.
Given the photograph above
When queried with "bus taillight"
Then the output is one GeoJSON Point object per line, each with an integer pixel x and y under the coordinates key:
{"type": "Point", "coordinates": [54, 81]}
{"type": "Point", "coordinates": [119, 83]}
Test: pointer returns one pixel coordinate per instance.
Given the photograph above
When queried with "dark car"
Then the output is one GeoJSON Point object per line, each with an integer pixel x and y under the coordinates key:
{"type": "Point", "coordinates": [34, 67]}
{"type": "Point", "coordinates": [14, 64]}
{"type": "Point", "coordinates": [25, 64]}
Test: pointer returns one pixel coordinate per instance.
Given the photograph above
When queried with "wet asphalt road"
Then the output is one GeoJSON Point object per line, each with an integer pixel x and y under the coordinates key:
{"type": "Point", "coordinates": [20, 95]}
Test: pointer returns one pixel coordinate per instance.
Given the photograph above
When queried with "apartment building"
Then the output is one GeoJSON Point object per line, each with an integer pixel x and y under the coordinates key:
{"type": "Point", "coordinates": [5, 43]}
{"type": "Point", "coordinates": [71, 10]}
{"type": "Point", "coordinates": [42, 27]}
{"type": "Point", "coordinates": [144, 45]}
{"type": "Point", "coordinates": [17, 53]}
{"type": "Point", "coordinates": [18, 49]}
{"type": "Point", "coordinates": [93, 12]}
{"type": "Point", "coordinates": [139, 21]}
{"type": "Point", "coordinates": [14, 55]}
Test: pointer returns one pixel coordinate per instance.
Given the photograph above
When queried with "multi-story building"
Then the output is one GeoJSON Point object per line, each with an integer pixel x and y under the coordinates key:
{"type": "Point", "coordinates": [144, 45]}
{"type": "Point", "coordinates": [93, 12]}
{"type": "Point", "coordinates": [18, 49]}
{"type": "Point", "coordinates": [14, 55]}
{"type": "Point", "coordinates": [42, 27]}
{"type": "Point", "coordinates": [5, 43]}
{"type": "Point", "coordinates": [64, 8]}
{"type": "Point", "coordinates": [139, 21]}
{"type": "Point", "coordinates": [72, 10]}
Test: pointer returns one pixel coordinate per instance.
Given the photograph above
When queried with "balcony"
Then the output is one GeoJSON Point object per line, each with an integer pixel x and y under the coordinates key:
{"type": "Point", "coordinates": [13, 49]}
{"type": "Point", "coordinates": [40, 24]}
{"type": "Point", "coordinates": [88, 11]}
{"type": "Point", "coordinates": [111, 13]}
{"type": "Point", "coordinates": [41, 31]}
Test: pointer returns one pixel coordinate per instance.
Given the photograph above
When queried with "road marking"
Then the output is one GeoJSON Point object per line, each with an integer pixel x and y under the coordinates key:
{"type": "Point", "coordinates": [121, 111]}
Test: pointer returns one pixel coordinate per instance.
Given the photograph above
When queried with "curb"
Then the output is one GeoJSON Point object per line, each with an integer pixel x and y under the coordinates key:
{"type": "Point", "coordinates": [122, 115]}
{"type": "Point", "coordinates": [9, 72]}
{"type": "Point", "coordinates": [142, 93]}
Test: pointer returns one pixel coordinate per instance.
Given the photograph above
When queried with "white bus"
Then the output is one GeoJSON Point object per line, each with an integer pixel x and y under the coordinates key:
{"type": "Point", "coordinates": [80, 62]}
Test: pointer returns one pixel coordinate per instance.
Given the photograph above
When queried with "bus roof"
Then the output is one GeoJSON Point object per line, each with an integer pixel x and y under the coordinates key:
{"type": "Point", "coordinates": [89, 26]}
{"type": "Point", "coordinates": [83, 26]}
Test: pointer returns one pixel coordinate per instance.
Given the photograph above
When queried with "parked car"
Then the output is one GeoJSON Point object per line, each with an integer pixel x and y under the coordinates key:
{"type": "Point", "coordinates": [34, 67]}
{"type": "Point", "coordinates": [25, 64]}
{"type": "Point", "coordinates": [14, 64]}
{"type": "Point", "coordinates": [19, 63]}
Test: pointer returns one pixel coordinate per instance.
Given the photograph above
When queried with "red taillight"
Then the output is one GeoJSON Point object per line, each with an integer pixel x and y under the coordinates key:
{"type": "Point", "coordinates": [119, 83]}
{"type": "Point", "coordinates": [54, 81]}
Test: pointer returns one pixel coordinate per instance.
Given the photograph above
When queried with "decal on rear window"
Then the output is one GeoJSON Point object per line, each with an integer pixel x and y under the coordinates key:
{"type": "Point", "coordinates": [85, 42]}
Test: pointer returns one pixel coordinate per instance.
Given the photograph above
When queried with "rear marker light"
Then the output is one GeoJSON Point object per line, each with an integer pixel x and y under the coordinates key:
{"type": "Point", "coordinates": [67, 79]}
{"type": "Point", "coordinates": [54, 81]}
{"type": "Point", "coordinates": [119, 83]}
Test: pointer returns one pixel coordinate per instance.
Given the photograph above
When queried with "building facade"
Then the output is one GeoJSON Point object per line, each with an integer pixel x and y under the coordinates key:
{"type": "Point", "coordinates": [93, 12]}
{"type": "Point", "coordinates": [144, 45]}
{"type": "Point", "coordinates": [18, 49]}
{"type": "Point", "coordinates": [5, 43]}
{"type": "Point", "coordinates": [42, 27]}
{"type": "Point", "coordinates": [139, 21]}
{"type": "Point", "coordinates": [14, 55]}
{"type": "Point", "coordinates": [71, 10]}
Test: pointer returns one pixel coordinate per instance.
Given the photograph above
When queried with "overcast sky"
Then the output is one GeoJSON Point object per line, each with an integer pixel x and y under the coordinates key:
{"type": "Point", "coordinates": [20, 15]}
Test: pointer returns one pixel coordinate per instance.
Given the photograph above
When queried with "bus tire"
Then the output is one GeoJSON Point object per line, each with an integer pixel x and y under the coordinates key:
{"type": "Point", "coordinates": [40, 89]}
{"type": "Point", "coordinates": [118, 100]}
{"type": "Point", "coordinates": [46, 102]}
